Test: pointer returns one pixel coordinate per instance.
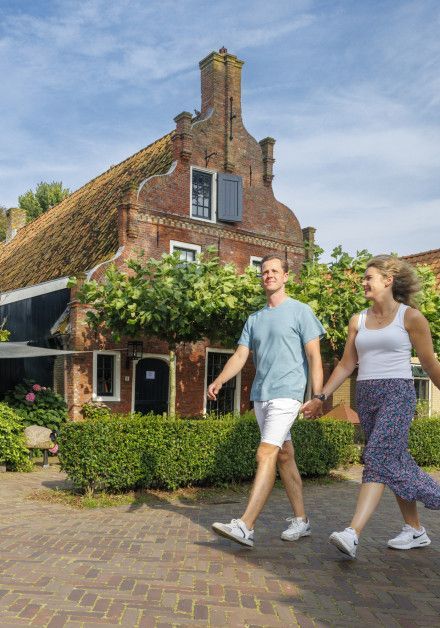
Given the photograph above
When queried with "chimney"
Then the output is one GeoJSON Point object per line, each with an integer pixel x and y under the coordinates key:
{"type": "Point", "coordinates": [268, 160]}
{"type": "Point", "coordinates": [182, 137]}
{"type": "Point", "coordinates": [15, 220]}
{"type": "Point", "coordinates": [221, 81]}
{"type": "Point", "coordinates": [309, 243]}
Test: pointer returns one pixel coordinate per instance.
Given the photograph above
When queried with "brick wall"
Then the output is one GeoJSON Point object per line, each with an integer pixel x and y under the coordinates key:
{"type": "Point", "coordinates": [160, 211]}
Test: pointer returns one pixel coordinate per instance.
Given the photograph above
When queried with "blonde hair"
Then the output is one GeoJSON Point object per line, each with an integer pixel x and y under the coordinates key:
{"type": "Point", "coordinates": [406, 284]}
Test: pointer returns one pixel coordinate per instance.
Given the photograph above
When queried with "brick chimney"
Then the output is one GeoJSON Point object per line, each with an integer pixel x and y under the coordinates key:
{"type": "Point", "coordinates": [221, 80]}
{"type": "Point", "coordinates": [268, 160]}
{"type": "Point", "coordinates": [15, 220]}
{"type": "Point", "coordinates": [309, 242]}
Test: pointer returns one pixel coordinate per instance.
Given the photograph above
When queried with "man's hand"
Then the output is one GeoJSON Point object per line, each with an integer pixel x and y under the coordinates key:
{"type": "Point", "coordinates": [214, 389]}
{"type": "Point", "coordinates": [312, 409]}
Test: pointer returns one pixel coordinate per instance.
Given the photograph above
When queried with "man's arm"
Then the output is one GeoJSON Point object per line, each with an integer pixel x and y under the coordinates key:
{"type": "Point", "coordinates": [230, 370]}
{"type": "Point", "coordinates": [313, 354]}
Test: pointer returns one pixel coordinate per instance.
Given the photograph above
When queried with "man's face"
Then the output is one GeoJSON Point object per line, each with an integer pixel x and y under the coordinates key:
{"type": "Point", "coordinates": [273, 276]}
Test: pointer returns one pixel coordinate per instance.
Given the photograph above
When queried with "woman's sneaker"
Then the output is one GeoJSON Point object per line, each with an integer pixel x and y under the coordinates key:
{"type": "Point", "coordinates": [346, 541]}
{"type": "Point", "coordinates": [235, 531]}
{"type": "Point", "coordinates": [297, 528]}
{"type": "Point", "coordinates": [409, 538]}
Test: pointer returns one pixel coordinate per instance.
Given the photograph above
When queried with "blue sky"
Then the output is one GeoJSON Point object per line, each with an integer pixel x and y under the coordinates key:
{"type": "Point", "coordinates": [349, 89]}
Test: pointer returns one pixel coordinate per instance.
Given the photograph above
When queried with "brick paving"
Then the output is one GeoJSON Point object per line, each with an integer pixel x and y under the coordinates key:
{"type": "Point", "coordinates": [159, 565]}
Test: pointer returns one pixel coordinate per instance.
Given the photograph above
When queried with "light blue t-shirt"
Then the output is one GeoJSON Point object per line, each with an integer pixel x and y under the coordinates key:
{"type": "Point", "coordinates": [276, 336]}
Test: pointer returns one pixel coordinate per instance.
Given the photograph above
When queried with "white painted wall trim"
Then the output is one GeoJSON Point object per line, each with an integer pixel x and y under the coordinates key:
{"type": "Point", "coordinates": [237, 395]}
{"type": "Point", "coordinates": [91, 272]}
{"type": "Point", "coordinates": [208, 114]}
{"type": "Point", "coordinates": [33, 291]}
{"type": "Point", "coordinates": [185, 245]}
{"type": "Point", "coordinates": [153, 176]}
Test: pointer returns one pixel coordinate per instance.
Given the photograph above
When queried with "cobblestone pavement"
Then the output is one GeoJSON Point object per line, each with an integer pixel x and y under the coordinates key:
{"type": "Point", "coordinates": [160, 565]}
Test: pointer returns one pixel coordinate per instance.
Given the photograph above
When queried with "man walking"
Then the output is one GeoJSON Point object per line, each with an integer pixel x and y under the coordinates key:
{"type": "Point", "coordinates": [284, 338]}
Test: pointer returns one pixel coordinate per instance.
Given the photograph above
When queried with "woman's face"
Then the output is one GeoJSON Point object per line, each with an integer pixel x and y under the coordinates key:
{"type": "Point", "coordinates": [375, 284]}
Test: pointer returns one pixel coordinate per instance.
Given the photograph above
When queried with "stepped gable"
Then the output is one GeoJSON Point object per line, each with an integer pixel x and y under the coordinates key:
{"type": "Point", "coordinates": [81, 231]}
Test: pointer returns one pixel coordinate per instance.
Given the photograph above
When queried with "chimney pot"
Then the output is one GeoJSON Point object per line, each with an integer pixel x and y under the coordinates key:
{"type": "Point", "coordinates": [223, 50]}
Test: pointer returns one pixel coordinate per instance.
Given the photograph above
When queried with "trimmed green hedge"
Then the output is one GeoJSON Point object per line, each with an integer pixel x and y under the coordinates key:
{"type": "Point", "coordinates": [13, 451]}
{"type": "Point", "coordinates": [424, 442]}
{"type": "Point", "coordinates": [118, 452]}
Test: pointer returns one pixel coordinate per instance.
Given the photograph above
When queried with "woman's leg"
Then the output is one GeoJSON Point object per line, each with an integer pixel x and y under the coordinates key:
{"type": "Point", "coordinates": [369, 497]}
{"type": "Point", "coordinates": [409, 512]}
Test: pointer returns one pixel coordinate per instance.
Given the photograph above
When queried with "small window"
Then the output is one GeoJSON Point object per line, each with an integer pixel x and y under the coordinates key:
{"type": "Point", "coordinates": [202, 195]}
{"type": "Point", "coordinates": [188, 252]}
{"type": "Point", "coordinates": [421, 382]}
{"type": "Point", "coordinates": [255, 262]}
{"type": "Point", "coordinates": [227, 399]}
{"type": "Point", "coordinates": [106, 376]}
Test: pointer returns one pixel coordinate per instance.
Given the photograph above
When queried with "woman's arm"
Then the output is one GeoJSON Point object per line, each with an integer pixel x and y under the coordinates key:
{"type": "Point", "coordinates": [343, 370]}
{"type": "Point", "coordinates": [420, 335]}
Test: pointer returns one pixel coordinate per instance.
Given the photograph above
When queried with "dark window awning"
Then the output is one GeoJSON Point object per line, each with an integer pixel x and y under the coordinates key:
{"type": "Point", "coordinates": [11, 350]}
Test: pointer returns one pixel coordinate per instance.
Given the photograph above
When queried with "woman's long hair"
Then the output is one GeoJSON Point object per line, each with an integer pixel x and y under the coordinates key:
{"type": "Point", "coordinates": [406, 284]}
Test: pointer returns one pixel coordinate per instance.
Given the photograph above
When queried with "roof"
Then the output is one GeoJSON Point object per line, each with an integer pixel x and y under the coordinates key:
{"type": "Point", "coordinates": [81, 231]}
{"type": "Point", "coordinates": [343, 413]}
{"type": "Point", "coordinates": [430, 258]}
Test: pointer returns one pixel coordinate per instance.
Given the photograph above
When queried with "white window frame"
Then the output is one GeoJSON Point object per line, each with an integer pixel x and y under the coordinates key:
{"type": "Point", "coordinates": [116, 376]}
{"type": "Point", "coordinates": [213, 218]}
{"type": "Point", "coordinates": [237, 395]}
{"type": "Point", "coordinates": [185, 245]}
{"type": "Point", "coordinates": [254, 258]}
{"type": "Point", "coordinates": [416, 362]}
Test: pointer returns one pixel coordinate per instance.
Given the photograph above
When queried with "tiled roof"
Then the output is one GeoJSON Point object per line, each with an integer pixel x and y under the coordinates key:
{"type": "Point", "coordinates": [430, 258]}
{"type": "Point", "coordinates": [81, 231]}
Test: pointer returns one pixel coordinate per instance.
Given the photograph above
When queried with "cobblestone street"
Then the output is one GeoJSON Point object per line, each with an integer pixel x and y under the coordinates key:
{"type": "Point", "coordinates": [160, 564]}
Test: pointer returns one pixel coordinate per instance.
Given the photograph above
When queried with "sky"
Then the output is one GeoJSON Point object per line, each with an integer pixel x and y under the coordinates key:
{"type": "Point", "coordinates": [349, 89]}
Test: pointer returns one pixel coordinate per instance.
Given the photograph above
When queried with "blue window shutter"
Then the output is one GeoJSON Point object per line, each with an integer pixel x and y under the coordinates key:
{"type": "Point", "coordinates": [229, 197]}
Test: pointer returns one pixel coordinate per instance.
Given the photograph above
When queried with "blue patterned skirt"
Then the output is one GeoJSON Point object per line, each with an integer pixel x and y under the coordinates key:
{"type": "Point", "coordinates": [386, 408]}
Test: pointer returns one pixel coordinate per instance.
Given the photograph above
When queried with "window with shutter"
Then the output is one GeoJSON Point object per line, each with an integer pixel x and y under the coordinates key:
{"type": "Point", "coordinates": [229, 197]}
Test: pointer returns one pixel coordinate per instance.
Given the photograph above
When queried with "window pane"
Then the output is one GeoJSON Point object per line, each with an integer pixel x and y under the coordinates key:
{"type": "Point", "coordinates": [256, 263]}
{"type": "Point", "coordinates": [422, 389]}
{"type": "Point", "coordinates": [186, 255]}
{"type": "Point", "coordinates": [105, 367]}
{"type": "Point", "coordinates": [201, 194]}
{"type": "Point", "coordinates": [226, 396]}
{"type": "Point", "coordinates": [417, 371]}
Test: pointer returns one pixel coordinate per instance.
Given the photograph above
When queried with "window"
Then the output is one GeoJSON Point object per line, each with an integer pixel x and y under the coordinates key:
{"type": "Point", "coordinates": [421, 382]}
{"type": "Point", "coordinates": [228, 399]}
{"type": "Point", "coordinates": [255, 262]}
{"type": "Point", "coordinates": [188, 252]}
{"type": "Point", "coordinates": [106, 375]}
{"type": "Point", "coordinates": [202, 195]}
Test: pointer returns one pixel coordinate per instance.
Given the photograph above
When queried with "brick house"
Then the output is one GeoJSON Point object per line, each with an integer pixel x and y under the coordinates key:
{"type": "Point", "coordinates": [206, 183]}
{"type": "Point", "coordinates": [425, 390]}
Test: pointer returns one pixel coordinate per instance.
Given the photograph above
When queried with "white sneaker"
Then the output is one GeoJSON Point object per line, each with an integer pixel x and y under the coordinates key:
{"type": "Point", "coordinates": [296, 529]}
{"type": "Point", "coordinates": [409, 538]}
{"type": "Point", "coordinates": [346, 541]}
{"type": "Point", "coordinates": [235, 531]}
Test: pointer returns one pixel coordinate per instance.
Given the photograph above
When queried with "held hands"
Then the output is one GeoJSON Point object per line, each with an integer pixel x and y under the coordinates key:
{"type": "Point", "coordinates": [312, 409]}
{"type": "Point", "coordinates": [213, 390]}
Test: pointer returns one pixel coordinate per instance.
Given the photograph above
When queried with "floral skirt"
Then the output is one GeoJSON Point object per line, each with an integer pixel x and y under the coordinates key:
{"type": "Point", "coordinates": [386, 408]}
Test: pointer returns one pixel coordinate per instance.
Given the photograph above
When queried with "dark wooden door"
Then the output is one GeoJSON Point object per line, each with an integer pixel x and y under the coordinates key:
{"type": "Point", "coordinates": [151, 388]}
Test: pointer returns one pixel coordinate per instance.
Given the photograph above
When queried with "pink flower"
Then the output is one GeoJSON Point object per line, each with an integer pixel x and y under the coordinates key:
{"type": "Point", "coordinates": [43, 388]}
{"type": "Point", "coordinates": [30, 397]}
{"type": "Point", "coordinates": [36, 387]}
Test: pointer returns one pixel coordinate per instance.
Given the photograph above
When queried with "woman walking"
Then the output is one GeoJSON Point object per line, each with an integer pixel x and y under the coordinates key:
{"type": "Point", "coordinates": [380, 340]}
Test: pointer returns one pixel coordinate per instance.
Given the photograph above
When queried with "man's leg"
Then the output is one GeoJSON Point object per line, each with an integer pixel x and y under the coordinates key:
{"type": "Point", "coordinates": [267, 455]}
{"type": "Point", "coordinates": [291, 478]}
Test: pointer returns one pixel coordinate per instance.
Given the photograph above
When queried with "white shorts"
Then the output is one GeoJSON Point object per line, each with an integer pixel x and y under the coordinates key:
{"type": "Point", "coordinates": [275, 418]}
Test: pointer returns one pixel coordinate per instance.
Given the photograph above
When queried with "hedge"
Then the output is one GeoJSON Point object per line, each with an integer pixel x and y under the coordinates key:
{"type": "Point", "coordinates": [424, 442]}
{"type": "Point", "coordinates": [122, 452]}
{"type": "Point", "coordinates": [13, 451]}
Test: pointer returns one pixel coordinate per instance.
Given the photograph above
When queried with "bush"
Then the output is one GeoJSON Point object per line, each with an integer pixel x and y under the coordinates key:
{"type": "Point", "coordinates": [120, 452]}
{"type": "Point", "coordinates": [13, 451]}
{"type": "Point", "coordinates": [424, 442]}
{"type": "Point", "coordinates": [37, 405]}
{"type": "Point", "coordinates": [95, 410]}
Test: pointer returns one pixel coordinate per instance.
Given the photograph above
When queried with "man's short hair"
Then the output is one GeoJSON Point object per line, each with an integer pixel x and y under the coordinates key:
{"type": "Point", "coordinates": [282, 259]}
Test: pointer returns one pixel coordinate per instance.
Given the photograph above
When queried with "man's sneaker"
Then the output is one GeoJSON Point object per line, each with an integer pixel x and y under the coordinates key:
{"type": "Point", "coordinates": [235, 531]}
{"type": "Point", "coordinates": [346, 541]}
{"type": "Point", "coordinates": [410, 538]}
{"type": "Point", "coordinates": [296, 529]}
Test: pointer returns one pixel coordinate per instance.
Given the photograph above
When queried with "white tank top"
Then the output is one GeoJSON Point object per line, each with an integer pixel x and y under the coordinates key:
{"type": "Point", "coordinates": [384, 353]}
